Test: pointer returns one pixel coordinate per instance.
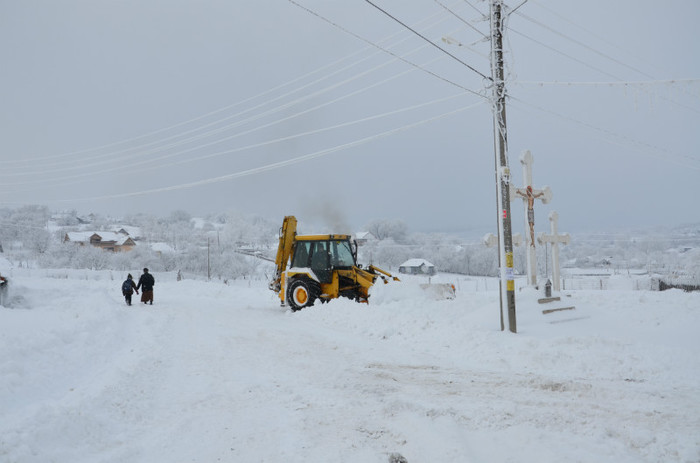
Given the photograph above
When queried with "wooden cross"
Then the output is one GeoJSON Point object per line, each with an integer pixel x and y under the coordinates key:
{"type": "Point", "coordinates": [555, 239]}
{"type": "Point", "coordinates": [544, 195]}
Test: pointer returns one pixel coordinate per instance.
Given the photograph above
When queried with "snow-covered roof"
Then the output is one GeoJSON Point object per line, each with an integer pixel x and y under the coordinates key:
{"type": "Point", "coordinates": [134, 232]}
{"type": "Point", "coordinates": [122, 241]}
{"type": "Point", "coordinates": [79, 237]}
{"type": "Point", "coordinates": [364, 235]}
{"type": "Point", "coordinates": [416, 263]}
{"type": "Point", "coordinates": [84, 237]}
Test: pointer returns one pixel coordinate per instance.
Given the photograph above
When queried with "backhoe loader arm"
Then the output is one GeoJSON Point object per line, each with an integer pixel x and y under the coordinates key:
{"type": "Point", "coordinates": [374, 269]}
{"type": "Point", "coordinates": [287, 234]}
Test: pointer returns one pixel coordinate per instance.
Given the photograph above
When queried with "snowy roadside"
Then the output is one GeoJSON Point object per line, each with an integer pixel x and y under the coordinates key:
{"type": "Point", "coordinates": [221, 373]}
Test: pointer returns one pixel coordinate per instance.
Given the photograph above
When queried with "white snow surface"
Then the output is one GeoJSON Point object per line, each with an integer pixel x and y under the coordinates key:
{"type": "Point", "coordinates": [214, 372]}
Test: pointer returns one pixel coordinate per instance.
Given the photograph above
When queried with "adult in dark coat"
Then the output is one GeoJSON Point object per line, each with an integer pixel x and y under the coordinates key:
{"type": "Point", "coordinates": [128, 288]}
{"type": "Point", "coordinates": [146, 284]}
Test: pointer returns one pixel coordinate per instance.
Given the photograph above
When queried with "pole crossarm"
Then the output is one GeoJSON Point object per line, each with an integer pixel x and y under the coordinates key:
{"type": "Point", "coordinates": [490, 240]}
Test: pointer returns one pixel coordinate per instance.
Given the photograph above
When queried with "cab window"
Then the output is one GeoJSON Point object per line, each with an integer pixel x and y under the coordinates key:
{"type": "Point", "coordinates": [301, 254]}
{"type": "Point", "coordinates": [342, 254]}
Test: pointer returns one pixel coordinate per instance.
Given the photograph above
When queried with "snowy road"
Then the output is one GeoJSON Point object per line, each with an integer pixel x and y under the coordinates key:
{"type": "Point", "coordinates": [221, 373]}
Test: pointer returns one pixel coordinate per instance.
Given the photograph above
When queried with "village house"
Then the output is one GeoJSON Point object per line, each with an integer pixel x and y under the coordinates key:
{"type": "Point", "coordinates": [417, 267]}
{"type": "Point", "coordinates": [364, 237]}
{"type": "Point", "coordinates": [109, 241]}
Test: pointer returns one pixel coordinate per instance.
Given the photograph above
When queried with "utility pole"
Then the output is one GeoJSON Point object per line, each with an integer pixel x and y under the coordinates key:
{"type": "Point", "coordinates": [505, 235]}
{"type": "Point", "coordinates": [208, 262]}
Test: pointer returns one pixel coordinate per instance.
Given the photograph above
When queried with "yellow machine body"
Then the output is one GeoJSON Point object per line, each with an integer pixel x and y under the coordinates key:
{"type": "Point", "coordinates": [320, 267]}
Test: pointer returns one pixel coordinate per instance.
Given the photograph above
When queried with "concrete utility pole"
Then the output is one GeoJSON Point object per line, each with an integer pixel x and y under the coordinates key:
{"type": "Point", "coordinates": [505, 238]}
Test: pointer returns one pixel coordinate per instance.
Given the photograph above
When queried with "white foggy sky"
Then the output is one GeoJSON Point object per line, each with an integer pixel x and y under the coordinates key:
{"type": "Point", "coordinates": [104, 98]}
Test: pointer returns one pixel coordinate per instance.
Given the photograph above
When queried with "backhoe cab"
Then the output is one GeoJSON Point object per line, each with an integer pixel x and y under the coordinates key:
{"type": "Point", "coordinates": [320, 267]}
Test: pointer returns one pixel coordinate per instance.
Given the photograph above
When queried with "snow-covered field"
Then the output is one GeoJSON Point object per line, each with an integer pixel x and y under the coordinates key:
{"type": "Point", "coordinates": [215, 372]}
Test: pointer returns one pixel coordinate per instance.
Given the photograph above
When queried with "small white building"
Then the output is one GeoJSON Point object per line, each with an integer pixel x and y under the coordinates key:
{"type": "Point", "coordinates": [417, 267]}
{"type": "Point", "coordinates": [364, 237]}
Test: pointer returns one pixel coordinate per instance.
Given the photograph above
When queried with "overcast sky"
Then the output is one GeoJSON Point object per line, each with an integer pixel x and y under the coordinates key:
{"type": "Point", "coordinates": [338, 110]}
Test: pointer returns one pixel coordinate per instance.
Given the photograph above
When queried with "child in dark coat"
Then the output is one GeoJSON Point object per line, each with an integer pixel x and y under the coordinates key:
{"type": "Point", "coordinates": [128, 288]}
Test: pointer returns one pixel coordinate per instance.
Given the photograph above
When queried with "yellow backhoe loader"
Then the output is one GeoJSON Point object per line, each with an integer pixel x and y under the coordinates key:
{"type": "Point", "coordinates": [321, 267]}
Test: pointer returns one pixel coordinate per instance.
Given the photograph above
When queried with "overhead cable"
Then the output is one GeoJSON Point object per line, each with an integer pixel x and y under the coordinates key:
{"type": "Point", "coordinates": [275, 165]}
{"type": "Point", "coordinates": [475, 8]}
{"type": "Point", "coordinates": [565, 54]}
{"type": "Point", "coordinates": [70, 180]}
{"type": "Point", "coordinates": [94, 161]}
{"type": "Point", "coordinates": [385, 50]}
{"type": "Point", "coordinates": [578, 42]}
{"type": "Point", "coordinates": [655, 151]}
{"type": "Point", "coordinates": [33, 161]}
{"type": "Point", "coordinates": [428, 40]}
{"type": "Point", "coordinates": [584, 45]}
{"type": "Point", "coordinates": [588, 31]}
{"type": "Point", "coordinates": [156, 161]}
{"type": "Point", "coordinates": [453, 13]}
{"type": "Point", "coordinates": [608, 83]}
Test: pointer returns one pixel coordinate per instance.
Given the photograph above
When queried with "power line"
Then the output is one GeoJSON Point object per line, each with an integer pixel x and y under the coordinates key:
{"type": "Point", "coordinates": [565, 54]}
{"type": "Point", "coordinates": [680, 159]}
{"type": "Point", "coordinates": [120, 165]}
{"type": "Point", "coordinates": [276, 165]}
{"type": "Point", "coordinates": [43, 183]}
{"type": "Point", "coordinates": [608, 83]}
{"type": "Point", "coordinates": [385, 50]}
{"type": "Point", "coordinates": [462, 19]}
{"type": "Point", "coordinates": [95, 161]}
{"type": "Point", "coordinates": [428, 40]}
{"type": "Point", "coordinates": [156, 161]}
{"type": "Point", "coordinates": [578, 42]}
{"type": "Point", "coordinates": [33, 161]}
{"type": "Point", "coordinates": [596, 68]}
{"type": "Point", "coordinates": [584, 45]}
{"type": "Point", "coordinates": [475, 8]}
{"type": "Point", "coordinates": [110, 155]}
{"type": "Point", "coordinates": [179, 124]}
{"type": "Point", "coordinates": [588, 31]}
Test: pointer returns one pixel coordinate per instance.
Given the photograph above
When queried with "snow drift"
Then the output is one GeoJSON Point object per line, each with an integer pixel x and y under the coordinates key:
{"type": "Point", "coordinates": [215, 372]}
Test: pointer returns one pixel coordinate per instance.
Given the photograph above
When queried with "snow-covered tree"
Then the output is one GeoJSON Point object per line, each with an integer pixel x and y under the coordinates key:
{"type": "Point", "coordinates": [384, 229]}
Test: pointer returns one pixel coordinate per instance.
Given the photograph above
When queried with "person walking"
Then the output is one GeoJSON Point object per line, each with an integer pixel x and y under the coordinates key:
{"type": "Point", "coordinates": [128, 288]}
{"type": "Point", "coordinates": [3, 288]}
{"type": "Point", "coordinates": [146, 284]}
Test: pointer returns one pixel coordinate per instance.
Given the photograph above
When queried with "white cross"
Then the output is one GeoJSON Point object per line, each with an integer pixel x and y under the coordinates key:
{"type": "Point", "coordinates": [555, 239]}
{"type": "Point", "coordinates": [544, 195]}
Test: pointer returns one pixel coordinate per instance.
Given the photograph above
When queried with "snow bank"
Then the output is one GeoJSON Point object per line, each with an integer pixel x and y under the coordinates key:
{"type": "Point", "coordinates": [215, 372]}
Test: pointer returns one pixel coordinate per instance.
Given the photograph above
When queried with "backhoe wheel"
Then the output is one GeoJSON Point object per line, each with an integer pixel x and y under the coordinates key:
{"type": "Point", "coordinates": [302, 293]}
